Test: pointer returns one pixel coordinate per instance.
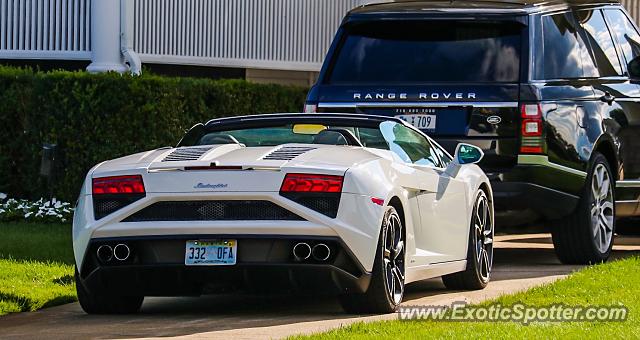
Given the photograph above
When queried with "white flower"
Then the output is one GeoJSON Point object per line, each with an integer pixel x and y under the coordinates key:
{"type": "Point", "coordinates": [2, 196]}
{"type": "Point", "coordinates": [40, 210]}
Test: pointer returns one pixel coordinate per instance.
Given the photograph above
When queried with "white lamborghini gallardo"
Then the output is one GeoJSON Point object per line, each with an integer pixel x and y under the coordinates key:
{"type": "Point", "coordinates": [351, 204]}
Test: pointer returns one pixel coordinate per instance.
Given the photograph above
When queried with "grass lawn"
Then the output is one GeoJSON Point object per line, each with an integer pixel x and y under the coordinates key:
{"type": "Point", "coordinates": [36, 266]}
{"type": "Point", "coordinates": [609, 284]}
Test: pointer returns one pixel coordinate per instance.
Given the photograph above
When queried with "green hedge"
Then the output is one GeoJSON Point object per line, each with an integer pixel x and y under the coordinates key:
{"type": "Point", "coordinates": [94, 118]}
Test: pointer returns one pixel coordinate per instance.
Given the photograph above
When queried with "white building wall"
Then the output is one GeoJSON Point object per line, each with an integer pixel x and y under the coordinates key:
{"type": "Point", "coordinates": [45, 29]}
{"type": "Point", "coordinates": [266, 34]}
{"type": "Point", "coordinates": [291, 35]}
{"type": "Point", "coordinates": [633, 7]}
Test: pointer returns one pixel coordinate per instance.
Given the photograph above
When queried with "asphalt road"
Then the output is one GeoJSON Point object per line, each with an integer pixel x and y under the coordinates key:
{"type": "Point", "coordinates": [521, 262]}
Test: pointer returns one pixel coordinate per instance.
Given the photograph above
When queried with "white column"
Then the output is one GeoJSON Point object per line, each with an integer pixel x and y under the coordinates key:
{"type": "Point", "coordinates": [105, 37]}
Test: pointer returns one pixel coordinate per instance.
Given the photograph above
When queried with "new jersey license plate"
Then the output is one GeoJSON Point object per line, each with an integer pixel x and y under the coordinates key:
{"type": "Point", "coordinates": [211, 253]}
{"type": "Point", "coordinates": [422, 122]}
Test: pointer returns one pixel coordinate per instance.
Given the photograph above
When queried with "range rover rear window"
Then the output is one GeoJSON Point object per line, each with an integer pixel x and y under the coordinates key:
{"type": "Point", "coordinates": [428, 51]}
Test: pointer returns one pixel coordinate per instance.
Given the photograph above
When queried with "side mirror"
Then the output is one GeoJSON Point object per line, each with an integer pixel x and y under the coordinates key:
{"type": "Point", "coordinates": [634, 68]}
{"type": "Point", "coordinates": [468, 154]}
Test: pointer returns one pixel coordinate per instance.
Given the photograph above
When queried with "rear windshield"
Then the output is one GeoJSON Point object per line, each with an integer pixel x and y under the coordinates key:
{"type": "Point", "coordinates": [425, 51]}
{"type": "Point", "coordinates": [278, 135]}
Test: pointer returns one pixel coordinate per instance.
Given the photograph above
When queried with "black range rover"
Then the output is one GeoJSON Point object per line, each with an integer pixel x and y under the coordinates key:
{"type": "Point", "coordinates": [550, 90]}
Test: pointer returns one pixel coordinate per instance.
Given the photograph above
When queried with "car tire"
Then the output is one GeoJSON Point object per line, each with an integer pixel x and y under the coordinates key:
{"type": "Point", "coordinates": [479, 250]}
{"type": "Point", "coordinates": [386, 288]}
{"type": "Point", "coordinates": [586, 236]}
{"type": "Point", "coordinates": [96, 303]}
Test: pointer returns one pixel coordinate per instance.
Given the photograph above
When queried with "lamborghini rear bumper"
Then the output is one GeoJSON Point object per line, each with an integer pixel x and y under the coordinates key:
{"type": "Point", "coordinates": [156, 267]}
{"type": "Point", "coordinates": [357, 228]}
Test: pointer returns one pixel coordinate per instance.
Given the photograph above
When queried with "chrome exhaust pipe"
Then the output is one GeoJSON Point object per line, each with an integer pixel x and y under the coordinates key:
{"type": "Point", "coordinates": [301, 251]}
{"type": "Point", "coordinates": [121, 252]}
{"type": "Point", "coordinates": [104, 253]}
{"type": "Point", "coordinates": [321, 252]}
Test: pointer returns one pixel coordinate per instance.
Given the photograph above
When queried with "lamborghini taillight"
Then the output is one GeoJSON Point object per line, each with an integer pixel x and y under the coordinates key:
{"type": "Point", "coordinates": [311, 183]}
{"type": "Point", "coordinates": [320, 193]}
{"type": "Point", "coordinates": [113, 193]}
{"type": "Point", "coordinates": [118, 185]}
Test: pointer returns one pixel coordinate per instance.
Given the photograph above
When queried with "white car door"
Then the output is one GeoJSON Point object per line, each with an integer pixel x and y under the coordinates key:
{"type": "Point", "coordinates": [444, 226]}
{"type": "Point", "coordinates": [443, 232]}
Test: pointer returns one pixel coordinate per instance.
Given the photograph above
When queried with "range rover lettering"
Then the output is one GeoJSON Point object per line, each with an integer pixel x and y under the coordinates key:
{"type": "Point", "coordinates": [548, 89]}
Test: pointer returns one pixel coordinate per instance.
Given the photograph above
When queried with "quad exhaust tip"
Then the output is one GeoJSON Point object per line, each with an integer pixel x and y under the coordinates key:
{"type": "Point", "coordinates": [321, 252]}
{"type": "Point", "coordinates": [302, 251]}
{"type": "Point", "coordinates": [104, 253]}
{"type": "Point", "coordinates": [121, 252]}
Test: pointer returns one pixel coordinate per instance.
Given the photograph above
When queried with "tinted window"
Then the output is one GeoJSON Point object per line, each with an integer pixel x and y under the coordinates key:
{"type": "Point", "coordinates": [625, 33]}
{"type": "Point", "coordinates": [565, 55]}
{"type": "Point", "coordinates": [409, 145]}
{"type": "Point", "coordinates": [604, 50]}
{"type": "Point", "coordinates": [419, 51]}
{"type": "Point", "coordinates": [269, 136]}
{"type": "Point", "coordinates": [278, 135]}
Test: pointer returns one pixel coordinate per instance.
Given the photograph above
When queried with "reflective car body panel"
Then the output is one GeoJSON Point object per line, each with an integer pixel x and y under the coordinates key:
{"type": "Point", "coordinates": [588, 103]}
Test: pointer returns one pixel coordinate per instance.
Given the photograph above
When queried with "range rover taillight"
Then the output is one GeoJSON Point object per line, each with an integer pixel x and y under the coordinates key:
{"type": "Point", "coordinates": [114, 193]}
{"type": "Point", "coordinates": [316, 192]}
{"type": "Point", "coordinates": [532, 139]}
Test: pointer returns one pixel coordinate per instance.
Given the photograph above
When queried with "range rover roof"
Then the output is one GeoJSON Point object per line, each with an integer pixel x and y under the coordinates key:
{"type": "Point", "coordinates": [480, 6]}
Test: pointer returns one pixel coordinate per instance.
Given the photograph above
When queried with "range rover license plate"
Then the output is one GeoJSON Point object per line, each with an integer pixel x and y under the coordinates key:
{"type": "Point", "coordinates": [211, 253]}
{"type": "Point", "coordinates": [422, 122]}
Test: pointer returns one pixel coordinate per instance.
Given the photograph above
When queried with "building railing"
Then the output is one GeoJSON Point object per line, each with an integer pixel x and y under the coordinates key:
{"type": "Point", "coordinates": [45, 29]}
{"type": "Point", "coordinates": [263, 34]}
{"type": "Point", "coordinates": [633, 7]}
{"type": "Point", "coordinates": [279, 34]}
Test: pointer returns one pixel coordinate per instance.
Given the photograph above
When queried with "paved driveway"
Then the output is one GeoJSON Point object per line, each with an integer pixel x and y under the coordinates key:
{"type": "Point", "coordinates": [522, 261]}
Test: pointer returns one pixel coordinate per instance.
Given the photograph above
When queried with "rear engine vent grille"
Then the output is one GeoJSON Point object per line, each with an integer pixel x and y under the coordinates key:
{"type": "Point", "coordinates": [213, 211]}
{"type": "Point", "coordinates": [104, 205]}
{"type": "Point", "coordinates": [186, 154]}
{"type": "Point", "coordinates": [324, 203]}
{"type": "Point", "coordinates": [287, 153]}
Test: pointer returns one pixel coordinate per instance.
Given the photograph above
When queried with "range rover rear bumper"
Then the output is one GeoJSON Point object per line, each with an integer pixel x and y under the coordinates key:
{"type": "Point", "coordinates": [549, 191]}
{"type": "Point", "coordinates": [545, 202]}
